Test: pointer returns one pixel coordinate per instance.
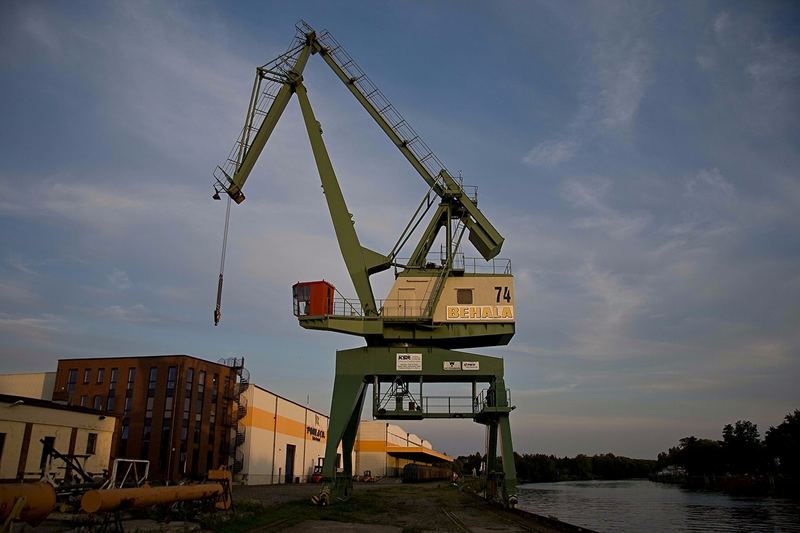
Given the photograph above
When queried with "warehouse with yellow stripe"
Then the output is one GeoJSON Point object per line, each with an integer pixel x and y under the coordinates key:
{"type": "Point", "coordinates": [284, 441]}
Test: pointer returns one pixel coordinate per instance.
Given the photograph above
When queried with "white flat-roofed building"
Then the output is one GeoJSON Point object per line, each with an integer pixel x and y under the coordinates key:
{"type": "Point", "coordinates": [27, 425]}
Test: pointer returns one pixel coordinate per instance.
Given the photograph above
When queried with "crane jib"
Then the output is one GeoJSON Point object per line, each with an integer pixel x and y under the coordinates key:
{"type": "Point", "coordinates": [273, 87]}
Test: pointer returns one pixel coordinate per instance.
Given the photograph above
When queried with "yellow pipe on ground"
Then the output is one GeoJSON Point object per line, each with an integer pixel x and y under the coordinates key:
{"type": "Point", "coordinates": [40, 500]}
{"type": "Point", "coordinates": [100, 501]}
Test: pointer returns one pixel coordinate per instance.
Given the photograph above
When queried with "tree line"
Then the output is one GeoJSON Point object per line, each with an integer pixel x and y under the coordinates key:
{"type": "Point", "coordinates": [741, 451]}
{"type": "Point", "coordinates": [538, 467]}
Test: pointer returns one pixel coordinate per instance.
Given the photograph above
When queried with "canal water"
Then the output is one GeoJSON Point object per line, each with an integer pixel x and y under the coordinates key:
{"type": "Point", "coordinates": [641, 505]}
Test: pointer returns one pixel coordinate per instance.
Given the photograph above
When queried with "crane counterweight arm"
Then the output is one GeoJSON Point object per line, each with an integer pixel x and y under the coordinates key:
{"type": "Point", "coordinates": [483, 234]}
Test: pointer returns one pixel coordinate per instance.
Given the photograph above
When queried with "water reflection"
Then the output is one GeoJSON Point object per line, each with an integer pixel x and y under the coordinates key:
{"type": "Point", "coordinates": [640, 505]}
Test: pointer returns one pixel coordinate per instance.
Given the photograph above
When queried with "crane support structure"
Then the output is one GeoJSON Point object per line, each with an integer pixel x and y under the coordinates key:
{"type": "Point", "coordinates": [435, 304]}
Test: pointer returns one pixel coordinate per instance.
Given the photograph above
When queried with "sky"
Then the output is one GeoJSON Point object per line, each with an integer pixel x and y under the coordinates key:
{"type": "Point", "coordinates": [640, 158]}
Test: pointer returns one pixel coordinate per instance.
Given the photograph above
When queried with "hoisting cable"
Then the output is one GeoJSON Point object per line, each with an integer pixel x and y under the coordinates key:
{"type": "Point", "coordinates": [218, 310]}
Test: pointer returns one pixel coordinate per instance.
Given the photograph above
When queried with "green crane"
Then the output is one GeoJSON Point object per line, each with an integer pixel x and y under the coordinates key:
{"type": "Point", "coordinates": [435, 305]}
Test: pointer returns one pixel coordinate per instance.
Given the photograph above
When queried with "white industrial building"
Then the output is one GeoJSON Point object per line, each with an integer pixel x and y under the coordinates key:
{"type": "Point", "coordinates": [285, 440]}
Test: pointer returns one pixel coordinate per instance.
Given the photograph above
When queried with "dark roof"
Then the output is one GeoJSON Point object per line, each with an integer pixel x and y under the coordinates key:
{"type": "Point", "coordinates": [36, 402]}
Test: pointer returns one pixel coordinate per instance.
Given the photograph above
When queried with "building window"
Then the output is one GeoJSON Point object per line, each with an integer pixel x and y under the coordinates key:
{"type": "Point", "coordinates": [47, 446]}
{"type": "Point", "coordinates": [123, 439]}
{"type": "Point", "coordinates": [84, 401]}
{"type": "Point", "coordinates": [212, 427]}
{"type": "Point", "coordinates": [172, 374]}
{"type": "Point", "coordinates": [112, 382]}
{"type": "Point", "coordinates": [214, 388]}
{"type": "Point", "coordinates": [146, 433]}
{"type": "Point", "coordinates": [169, 401]}
{"type": "Point", "coordinates": [111, 401]}
{"type": "Point", "coordinates": [148, 413]}
{"type": "Point", "coordinates": [464, 296]}
{"type": "Point", "coordinates": [189, 380]}
{"type": "Point", "coordinates": [101, 375]}
{"type": "Point", "coordinates": [151, 385]}
{"type": "Point", "coordinates": [201, 393]}
{"type": "Point", "coordinates": [87, 376]}
{"type": "Point", "coordinates": [165, 454]}
{"type": "Point", "coordinates": [72, 379]}
{"type": "Point", "coordinates": [129, 391]}
{"type": "Point", "coordinates": [91, 444]}
{"type": "Point", "coordinates": [187, 405]}
{"type": "Point", "coordinates": [98, 402]}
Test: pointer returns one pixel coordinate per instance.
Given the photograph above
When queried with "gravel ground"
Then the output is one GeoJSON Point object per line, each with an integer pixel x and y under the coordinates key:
{"type": "Point", "coordinates": [387, 507]}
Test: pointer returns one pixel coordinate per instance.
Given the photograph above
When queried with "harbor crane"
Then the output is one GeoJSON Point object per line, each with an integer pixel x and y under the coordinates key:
{"type": "Point", "coordinates": [441, 301]}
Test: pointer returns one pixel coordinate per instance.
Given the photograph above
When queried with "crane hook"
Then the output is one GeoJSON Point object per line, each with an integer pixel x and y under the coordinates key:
{"type": "Point", "coordinates": [218, 309]}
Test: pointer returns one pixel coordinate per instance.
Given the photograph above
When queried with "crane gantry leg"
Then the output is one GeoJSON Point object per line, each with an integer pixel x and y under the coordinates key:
{"type": "Point", "coordinates": [358, 367]}
{"type": "Point", "coordinates": [348, 400]}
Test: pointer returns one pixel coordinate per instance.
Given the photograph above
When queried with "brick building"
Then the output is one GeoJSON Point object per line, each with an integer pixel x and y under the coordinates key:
{"type": "Point", "coordinates": [177, 411]}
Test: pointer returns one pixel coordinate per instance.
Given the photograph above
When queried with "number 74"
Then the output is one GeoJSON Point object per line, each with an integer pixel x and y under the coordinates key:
{"type": "Point", "coordinates": [506, 294]}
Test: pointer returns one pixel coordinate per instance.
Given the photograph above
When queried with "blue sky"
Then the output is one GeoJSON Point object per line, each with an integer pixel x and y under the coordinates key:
{"type": "Point", "coordinates": [641, 160]}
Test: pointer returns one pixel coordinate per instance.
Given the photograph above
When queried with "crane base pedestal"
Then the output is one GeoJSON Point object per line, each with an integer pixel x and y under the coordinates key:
{"type": "Point", "coordinates": [401, 369]}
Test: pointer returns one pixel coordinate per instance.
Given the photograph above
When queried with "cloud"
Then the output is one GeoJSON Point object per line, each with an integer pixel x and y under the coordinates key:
{"type": "Point", "coordinates": [710, 185]}
{"type": "Point", "coordinates": [34, 330]}
{"type": "Point", "coordinates": [118, 279]}
{"type": "Point", "coordinates": [614, 84]}
{"type": "Point", "coordinates": [590, 195]}
{"type": "Point", "coordinates": [136, 313]}
{"type": "Point", "coordinates": [721, 23]}
{"type": "Point", "coordinates": [623, 75]}
{"type": "Point", "coordinates": [752, 68]}
{"type": "Point", "coordinates": [16, 262]}
{"type": "Point", "coordinates": [551, 153]}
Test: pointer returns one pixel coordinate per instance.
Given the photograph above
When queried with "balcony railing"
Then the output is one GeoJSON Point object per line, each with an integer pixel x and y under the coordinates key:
{"type": "Point", "coordinates": [387, 308]}
{"type": "Point", "coordinates": [467, 265]}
